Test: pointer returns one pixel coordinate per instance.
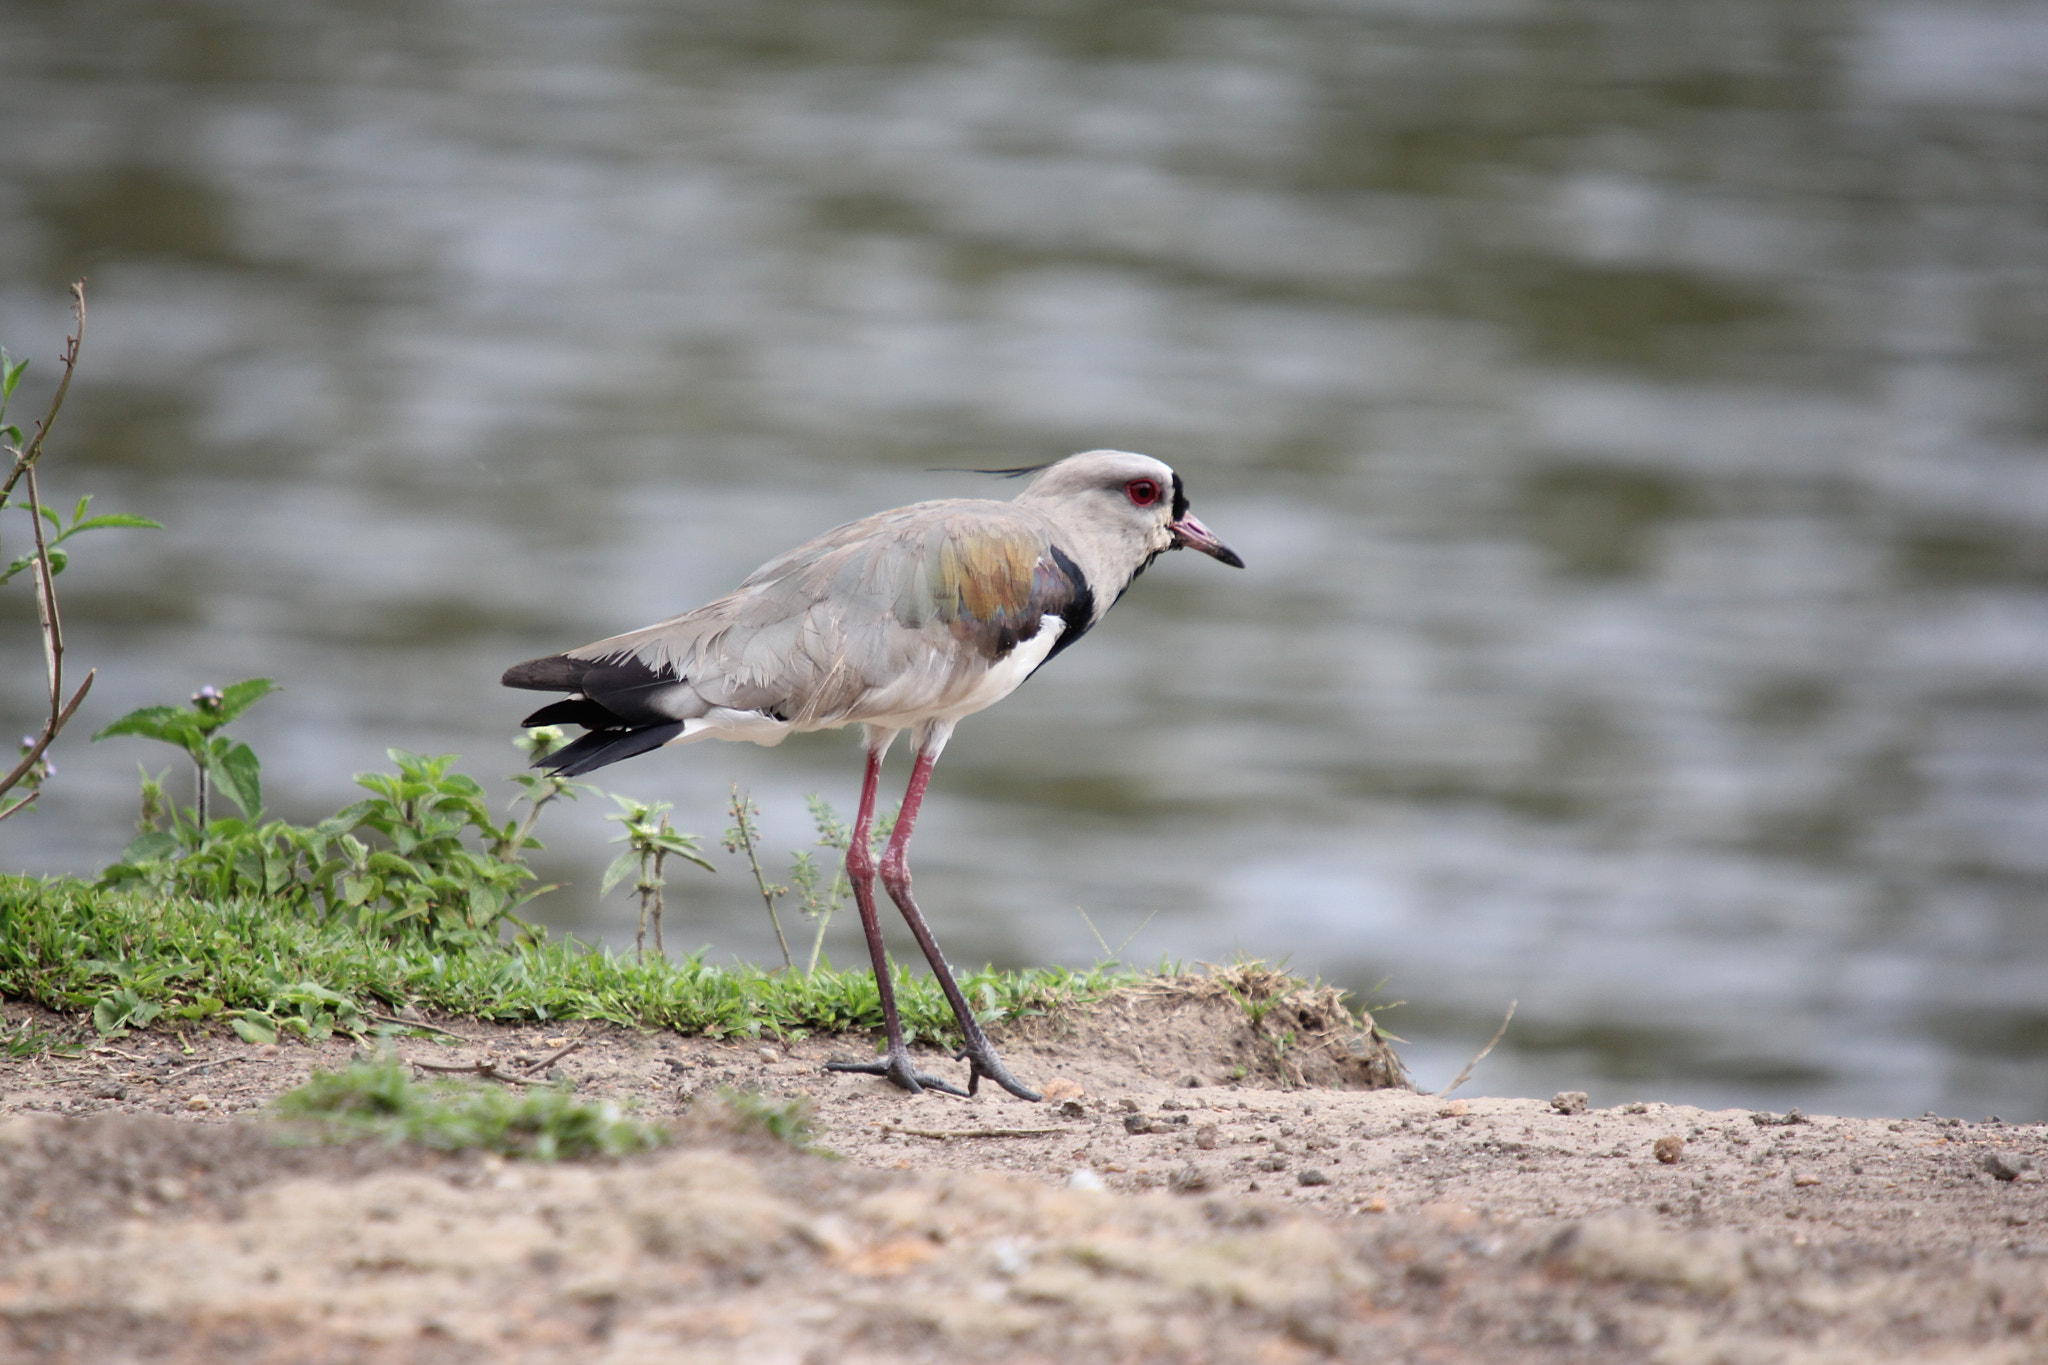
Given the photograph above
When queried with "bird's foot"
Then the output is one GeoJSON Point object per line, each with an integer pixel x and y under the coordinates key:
{"type": "Point", "coordinates": [897, 1067]}
{"type": "Point", "coordinates": [982, 1061]}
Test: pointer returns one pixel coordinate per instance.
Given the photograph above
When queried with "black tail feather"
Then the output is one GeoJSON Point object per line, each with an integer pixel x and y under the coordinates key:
{"type": "Point", "coordinates": [602, 747]}
{"type": "Point", "coordinates": [575, 711]}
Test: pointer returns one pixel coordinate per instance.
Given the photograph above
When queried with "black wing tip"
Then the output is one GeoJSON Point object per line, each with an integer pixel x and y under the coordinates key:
{"type": "Point", "coordinates": [555, 673]}
{"type": "Point", "coordinates": [1019, 472]}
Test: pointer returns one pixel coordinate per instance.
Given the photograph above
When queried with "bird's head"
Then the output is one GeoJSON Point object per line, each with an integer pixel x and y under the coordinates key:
{"type": "Point", "coordinates": [1133, 505]}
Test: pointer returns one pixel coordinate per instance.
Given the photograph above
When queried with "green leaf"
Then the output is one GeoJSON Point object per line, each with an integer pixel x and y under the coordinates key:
{"type": "Point", "coordinates": [148, 848]}
{"type": "Point", "coordinates": [148, 722]}
{"type": "Point", "coordinates": [624, 866]}
{"type": "Point", "coordinates": [236, 773]}
{"type": "Point", "coordinates": [253, 1027]}
{"type": "Point", "coordinates": [115, 519]}
{"type": "Point", "coordinates": [236, 698]}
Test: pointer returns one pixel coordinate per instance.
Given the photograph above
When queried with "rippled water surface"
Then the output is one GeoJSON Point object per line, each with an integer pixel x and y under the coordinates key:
{"type": "Point", "coordinates": [1635, 418]}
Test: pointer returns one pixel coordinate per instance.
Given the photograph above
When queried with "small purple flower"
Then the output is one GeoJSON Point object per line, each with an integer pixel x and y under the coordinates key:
{"type": "Point", "coordinates": [27, 742]}
{"type": "Point", "coordinates": [207, 698]}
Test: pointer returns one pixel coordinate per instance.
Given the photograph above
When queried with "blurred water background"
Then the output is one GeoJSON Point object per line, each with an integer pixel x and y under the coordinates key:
{"type": "Point", "coordinates": [1635, 418]}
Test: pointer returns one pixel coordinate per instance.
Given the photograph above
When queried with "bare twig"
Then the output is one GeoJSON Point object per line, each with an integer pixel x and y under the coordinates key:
{"type": "Point", "coordinates": [544, 1063]}
{"type": "Point", "coordinates": [418, 1024]}
{"type": "Point", "coordinates": [1498, 1034]}
{"type": "Point", "coordinates": [948, 1134]}
{"type": "Point", "coordinates": [25, 460]}
{"type": "Point", "coordinates": [170, 1076]}
{"type": "Point", "coordinates": [742, 838]}
{"type": "Point", "coordinates": [47, 615]}
{"type": "Point", "coordinates": [488, 1070]}
{"type": "Point", "coordinates": [43, 741]}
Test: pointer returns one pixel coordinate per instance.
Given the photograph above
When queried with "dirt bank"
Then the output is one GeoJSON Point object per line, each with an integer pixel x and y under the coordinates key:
{"type": "Point", "coordinates": [1192, 1190]}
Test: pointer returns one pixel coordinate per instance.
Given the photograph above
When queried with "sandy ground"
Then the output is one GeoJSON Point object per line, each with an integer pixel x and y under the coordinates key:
{"type": "Point", "coordinates": [1193, 1189]}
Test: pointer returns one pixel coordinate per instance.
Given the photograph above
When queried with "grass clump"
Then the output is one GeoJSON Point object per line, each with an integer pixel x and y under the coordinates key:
{"type": "Point", "coordinates": [376, 1099]}
{"type": "Point", "coordinates": [130, 958]}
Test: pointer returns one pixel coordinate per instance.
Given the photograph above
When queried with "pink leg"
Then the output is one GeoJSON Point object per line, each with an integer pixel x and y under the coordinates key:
{"type": "Point", "coordinates": [860, 870]}
{"type": "Point", "coordinates": [979, 1052]}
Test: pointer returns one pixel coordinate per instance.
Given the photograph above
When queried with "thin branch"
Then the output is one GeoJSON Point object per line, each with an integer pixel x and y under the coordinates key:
{"type": "Point", "coordinates": [170, 1076]}
{"type": "Point", "coordinates": [43, 741]}
{"type": "Point", "coordinates": [47, 615]}
{"type": "Point", "coordinates": [24, 460]}
{"type": "Point", "coordinates": [488, 1070]}
{"type": "Point", "coordinates": [544, 1063]}
{"type": "Point", "coordinates": [948, 1134]}
{"type": "Point", "coordinates": [1498, 1034]}
{"type": "Point", "coordinates": [418, 1024]}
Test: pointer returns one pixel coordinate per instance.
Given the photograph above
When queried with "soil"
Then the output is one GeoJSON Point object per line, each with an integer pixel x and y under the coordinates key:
{"type": "Point", "coordinates": [1194, 1188]}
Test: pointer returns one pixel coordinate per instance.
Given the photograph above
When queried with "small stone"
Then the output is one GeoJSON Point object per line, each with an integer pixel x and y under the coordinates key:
{"type": "Point", "coordinates": [1311, 1176]}
{"type": "Point", "coordinates": [108, 1090]}
{"type": "Point", "coordinates": [1569, 1101]}
{"type": "Point", "coordinates": [1635, 1107]}
{"type": "Point", "coordinates": [1456, 1109]}
{"type": "Point", "coordinates": [1128, 1105]}
{"type": "Point", "coordinates": [199, 1102]}
{"type": "Point", "coordinates": [1137, 1123]}
{"type": "Point", "coordinates": [1805, 1178]}
{"type": "Point", "coordinates": [169, 1188]}
{"type": "Point", "coordinates": [768, 1054]}
{"type": "Point", "coordinates": [1073, 1109]}
{"type": "Point", "coordinates": [1669, 1148]}
{"type": "Point", "coordinates": [2002, 1165]}
{"type": "Point", "coordinates": [1271, 1163]}
{"type": "Point", "coordinates": [1376, 1204]}
{"type": "Point", "coordinates": [1205, 1137]}
{"type": "Point", "coordinates": [1189, 1179]}
{"type": "Point", "coordinates": [1085, 1179]}
{"type": "Point", "coordinates": [1192, 1083]}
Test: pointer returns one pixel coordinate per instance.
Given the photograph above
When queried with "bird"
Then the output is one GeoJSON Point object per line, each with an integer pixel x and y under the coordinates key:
{"type": "Point", "coordinates": [909, 619]}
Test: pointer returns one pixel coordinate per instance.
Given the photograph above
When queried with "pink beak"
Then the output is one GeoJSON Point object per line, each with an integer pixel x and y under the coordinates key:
{"type": "Point", "coordinates": [1189, 533]}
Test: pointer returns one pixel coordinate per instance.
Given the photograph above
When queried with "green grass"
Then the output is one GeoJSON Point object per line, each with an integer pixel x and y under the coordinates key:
{"type": "Point", "coordinates": [376, 1100]}
{"type": "Point", "coordinates": [130, 958]}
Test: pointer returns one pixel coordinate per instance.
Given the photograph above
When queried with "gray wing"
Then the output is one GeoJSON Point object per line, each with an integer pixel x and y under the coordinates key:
{"type": "Point", "coordinates": [884, 616]}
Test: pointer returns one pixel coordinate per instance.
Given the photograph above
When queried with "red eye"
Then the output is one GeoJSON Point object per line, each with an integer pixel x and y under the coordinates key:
{"type": "Point", "coordinates": [1143, 492]}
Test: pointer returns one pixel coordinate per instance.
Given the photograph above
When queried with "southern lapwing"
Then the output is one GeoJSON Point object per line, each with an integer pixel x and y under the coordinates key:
{"type": "Point", "coordinates": [905, 620]}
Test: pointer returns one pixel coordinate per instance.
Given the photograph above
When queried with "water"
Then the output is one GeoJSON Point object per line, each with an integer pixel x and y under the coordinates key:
{"type": "Point", "coordinates": [1632, 416]}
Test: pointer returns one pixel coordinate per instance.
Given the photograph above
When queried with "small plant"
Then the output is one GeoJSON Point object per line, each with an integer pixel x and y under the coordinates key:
{"type": "Point", "coordinates": [744, 836]}
{"type": "Point", "coordinates": [791, 1120]}
{"type": "Point", "coordinates": [421, 856]}
{"type": "Point", "coordinates": [650, 842]}
{"type": "Point", "coordinates": [217, 761]}
{"type": "Point", "coordinates": [821, 897]}
{"type": "Point", "coordinates": [376, 1099]}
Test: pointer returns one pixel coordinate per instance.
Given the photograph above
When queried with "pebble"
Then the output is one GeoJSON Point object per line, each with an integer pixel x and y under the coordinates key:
{"type": "Point", "coordinates": [1311, 1176]}
{"type": "Point", "coordinates": [1454, 1110]}
{"type": "Point", "coordinates": [1669, 1148]}
{"type": "Point", "coordinates": [1189, 1179]}
{"type": "Point", "coordinates": [1085, 1179]}
{"type": "Point", "coordinates": [2002, 1165]}
{"type": "Point", "coordinates": [1569, 1101]}
{"type": "Point", "coordinates": [1205, 1137]}
{"type": "Point", "coordinates": [108, 1090]}
{"type": "Point", "coordinates": [199, 1102]}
